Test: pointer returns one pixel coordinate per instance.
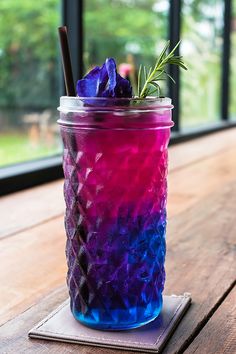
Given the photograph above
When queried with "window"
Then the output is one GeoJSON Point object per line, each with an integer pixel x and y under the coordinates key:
{"type": "Point", "coordinates": [131, 31]}
{"type": "Point", "coordinates": [232, 109]}
{"type": "Point", "coordinates": [29, 80]}
{"type": "Point", "coordinates": [202, 32]}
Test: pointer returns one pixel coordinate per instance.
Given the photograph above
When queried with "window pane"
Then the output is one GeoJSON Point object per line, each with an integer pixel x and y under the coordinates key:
{"type": "Point", "coordinates": [131, 31]}
{"type": "Point", "coordinates": [29, 80]}
{"type": "Point", "coordinates": [232, 109]}
{"type": "Point", "coordinates": [202, 25]}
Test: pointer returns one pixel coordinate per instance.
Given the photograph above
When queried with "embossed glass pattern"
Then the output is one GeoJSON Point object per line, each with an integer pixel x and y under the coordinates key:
{"type": "Point", "coordinates": [115, 166]}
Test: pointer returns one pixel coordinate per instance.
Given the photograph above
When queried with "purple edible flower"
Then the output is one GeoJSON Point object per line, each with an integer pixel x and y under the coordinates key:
{"type": "Point", "coordinates": [104, 81]}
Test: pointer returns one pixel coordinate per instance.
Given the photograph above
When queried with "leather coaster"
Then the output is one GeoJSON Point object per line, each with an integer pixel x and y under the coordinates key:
{"type": "Point", "coordinates": [61, 326]}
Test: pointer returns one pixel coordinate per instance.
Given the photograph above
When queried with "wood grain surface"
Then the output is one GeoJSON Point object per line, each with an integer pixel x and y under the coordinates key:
{"type": "Point", "coordinates": [32, 263]}
{"type": "Point", "coordinates": [200, 258]}
{"type": "Point", "coordinates": [30, 207]}
{"type": "Point", "coordinates": [219, 334]}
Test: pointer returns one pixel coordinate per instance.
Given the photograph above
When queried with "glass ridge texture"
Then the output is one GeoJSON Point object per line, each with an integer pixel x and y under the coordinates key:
{"type": "Point", "coordinates": [115, 167]}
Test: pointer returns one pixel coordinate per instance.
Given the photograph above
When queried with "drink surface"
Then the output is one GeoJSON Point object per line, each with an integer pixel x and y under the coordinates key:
{"type": "Point", "coordinates": [115, 192]}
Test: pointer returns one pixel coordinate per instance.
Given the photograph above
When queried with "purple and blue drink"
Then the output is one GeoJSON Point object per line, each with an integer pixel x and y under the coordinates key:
{"type": "Point", "coordinates": [115, 167]}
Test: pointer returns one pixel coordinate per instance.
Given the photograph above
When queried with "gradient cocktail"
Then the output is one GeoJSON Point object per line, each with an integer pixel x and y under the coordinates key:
{"type": "Point", "coordinates": [115, 167]}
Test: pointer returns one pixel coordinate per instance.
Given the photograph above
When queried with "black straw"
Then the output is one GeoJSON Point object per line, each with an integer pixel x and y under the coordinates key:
{"type": "Point", "coordinates": [66, 61]}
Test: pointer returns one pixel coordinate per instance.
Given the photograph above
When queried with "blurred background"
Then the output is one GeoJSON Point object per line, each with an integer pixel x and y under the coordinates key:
{"type": "Point", "coordinates": [133, 32]}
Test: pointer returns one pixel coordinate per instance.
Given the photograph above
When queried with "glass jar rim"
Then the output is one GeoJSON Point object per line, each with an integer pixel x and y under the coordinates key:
{"type": "Point", "coordinates": [72, 104]}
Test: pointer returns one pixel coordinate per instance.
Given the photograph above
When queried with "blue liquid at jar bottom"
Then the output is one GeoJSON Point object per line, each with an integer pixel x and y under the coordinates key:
{"type": "Point", "coordinates": [117, 283]}
{"type": "Point", "coordinates": [122, 288]}
{"type": "Point", "coordinates": [122, 319]}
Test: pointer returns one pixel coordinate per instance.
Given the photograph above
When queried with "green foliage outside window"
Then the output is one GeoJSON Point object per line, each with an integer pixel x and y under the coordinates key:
{"type": "Point", "coordinates": [134, 30]}
{"type": "Point", "coordinates": [28, 53]}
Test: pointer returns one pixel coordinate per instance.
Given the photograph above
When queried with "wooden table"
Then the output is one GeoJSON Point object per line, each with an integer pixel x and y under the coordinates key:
{"type": "Point", "coordinates": [200, 259]}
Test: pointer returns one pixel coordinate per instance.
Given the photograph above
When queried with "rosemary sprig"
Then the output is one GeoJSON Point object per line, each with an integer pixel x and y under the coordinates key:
{"type": "Point", "coordinates": [150, 77]}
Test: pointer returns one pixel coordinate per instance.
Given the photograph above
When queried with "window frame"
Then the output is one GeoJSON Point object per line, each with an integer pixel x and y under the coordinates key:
{"type": "Point", "coordinates": [31, 173]}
